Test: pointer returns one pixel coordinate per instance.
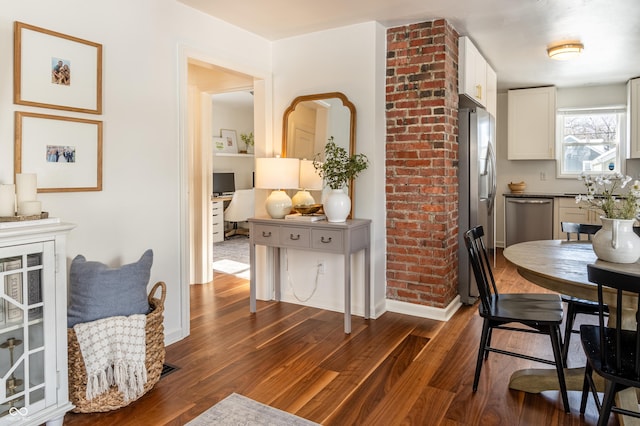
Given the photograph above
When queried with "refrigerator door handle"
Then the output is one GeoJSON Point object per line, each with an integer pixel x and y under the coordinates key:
{"type": "Point", "coordinates": [491, 158]}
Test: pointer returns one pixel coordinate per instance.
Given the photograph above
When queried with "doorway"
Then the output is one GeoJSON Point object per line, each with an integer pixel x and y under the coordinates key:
{"type": "Point", "coordinates": [200, 78]}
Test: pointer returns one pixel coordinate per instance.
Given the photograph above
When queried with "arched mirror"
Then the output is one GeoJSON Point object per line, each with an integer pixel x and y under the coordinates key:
{"type": "Point", "coordinates": [311, 120]}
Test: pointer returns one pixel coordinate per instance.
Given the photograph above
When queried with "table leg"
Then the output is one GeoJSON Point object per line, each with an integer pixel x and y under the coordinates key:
{"type": "Point", "coordinates": [367, 283]}
{"type": "Point", "coordinates": [276, 262]}
{"type": "Point", "coordinates": [347, 293]}
{"type": "Point", "coordinates": [252, 278]}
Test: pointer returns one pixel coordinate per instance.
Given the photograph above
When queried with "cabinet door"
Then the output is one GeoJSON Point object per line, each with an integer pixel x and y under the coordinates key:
{"type": "Point", "coordinates": [472, 75]}
{"type": "Point", "coordinates": [492, 91]}
{"type": "Point", "coordinates": [531, 124]}
{"type": "Point", "coordinates": [27, 328]}
{"type": "Point", "coordinates": [634, 117]}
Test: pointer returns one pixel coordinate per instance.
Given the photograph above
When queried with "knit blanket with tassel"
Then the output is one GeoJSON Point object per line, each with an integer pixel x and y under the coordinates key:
{"type": "Point", "coordinates": [114, 352]}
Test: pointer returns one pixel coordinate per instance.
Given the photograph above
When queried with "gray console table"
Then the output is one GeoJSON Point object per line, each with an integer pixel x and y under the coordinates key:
{"type": "Point", "coordinates": [343, 238]}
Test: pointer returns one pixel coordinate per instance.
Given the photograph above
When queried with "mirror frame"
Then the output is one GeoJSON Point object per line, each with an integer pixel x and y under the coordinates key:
{"type": "Point", "coordinates": [352, 122]}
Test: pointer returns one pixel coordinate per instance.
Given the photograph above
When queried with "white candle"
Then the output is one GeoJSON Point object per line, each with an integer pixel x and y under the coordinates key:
{"type": "Point", "coordinates": [29, 208]}
{"type": "Point", "coordinates": [7, 200]}
{"type": "Point", "coordinates": [26, 187]}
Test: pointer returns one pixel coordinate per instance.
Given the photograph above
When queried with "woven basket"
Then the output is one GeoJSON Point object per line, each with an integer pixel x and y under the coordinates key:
{"type": "Point", "coordinates": [113, 399]}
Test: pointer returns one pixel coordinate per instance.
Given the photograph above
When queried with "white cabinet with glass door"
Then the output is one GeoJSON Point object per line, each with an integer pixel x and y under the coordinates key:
{"type": "Point", "coordinates": [33, 322]}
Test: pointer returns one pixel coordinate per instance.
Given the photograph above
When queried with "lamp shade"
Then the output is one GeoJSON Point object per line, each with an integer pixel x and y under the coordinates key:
{"type": "Point", "coordinates": [277, 173]}
{"type": "Point", "coordinates": [309, 177]}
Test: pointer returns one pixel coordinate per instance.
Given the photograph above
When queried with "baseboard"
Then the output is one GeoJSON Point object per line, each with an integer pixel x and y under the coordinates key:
{"type": "Point", "coordinates": [430, 312]}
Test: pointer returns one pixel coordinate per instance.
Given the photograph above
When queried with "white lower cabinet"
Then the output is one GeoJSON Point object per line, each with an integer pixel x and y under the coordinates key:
{"type": "Point", "coordinates": [33, 325]}
{"type": "Point", "coordinates": [570, 211]}
{"type": "Point", "coordinates": [217, 221]}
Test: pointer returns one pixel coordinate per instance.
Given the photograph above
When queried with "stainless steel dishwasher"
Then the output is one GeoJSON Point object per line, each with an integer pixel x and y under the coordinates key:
{"type": "Point", "coordinates": [528, 219]}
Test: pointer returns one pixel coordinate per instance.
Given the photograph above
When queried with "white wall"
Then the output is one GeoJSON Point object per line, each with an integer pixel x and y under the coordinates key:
{"type": "Point", "coordinates": [350, 60]}
{"type": "Point", "coordinates": [140, 204]}
{"type": "Point", "coordinates": [529, 171]}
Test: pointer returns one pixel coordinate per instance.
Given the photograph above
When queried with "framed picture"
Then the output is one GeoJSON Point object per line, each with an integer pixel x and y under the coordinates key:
{"type": "Point", "coordinates": [64, 152]}
{"type": "Point", "coordinates": [231, 141]}
{"type": "Point", "coordinates": [55, 70]}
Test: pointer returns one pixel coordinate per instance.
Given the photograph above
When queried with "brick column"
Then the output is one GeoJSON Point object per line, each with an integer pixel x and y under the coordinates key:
{"type": "Point", "coordinates": [422, 163]}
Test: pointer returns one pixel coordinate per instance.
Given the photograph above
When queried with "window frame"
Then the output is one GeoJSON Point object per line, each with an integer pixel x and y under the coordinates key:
{"type": "Point", "coordinates": [621, 110]}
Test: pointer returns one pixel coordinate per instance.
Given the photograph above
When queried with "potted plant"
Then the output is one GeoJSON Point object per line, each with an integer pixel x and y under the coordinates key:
{"type": "Point", "coordinates": [248, 141]}
{"type": "Point", "coordinates": [616, 241]}
{"type": "Point", "coordinates": [337, 170]}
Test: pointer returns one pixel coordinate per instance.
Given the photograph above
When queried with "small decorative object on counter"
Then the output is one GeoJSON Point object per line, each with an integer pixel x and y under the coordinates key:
{"type": "Point", "coordinates": [517, 188]}
{"type": "Point", "coordinates": [615, 242]}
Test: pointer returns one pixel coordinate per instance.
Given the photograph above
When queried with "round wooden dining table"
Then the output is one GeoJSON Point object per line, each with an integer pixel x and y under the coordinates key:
{"type": "Point", "coordinates": [561, 266]}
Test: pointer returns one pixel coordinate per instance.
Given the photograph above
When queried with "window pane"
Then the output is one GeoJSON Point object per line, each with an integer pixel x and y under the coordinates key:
{"type": "Point", "coordinates": [590, 142]}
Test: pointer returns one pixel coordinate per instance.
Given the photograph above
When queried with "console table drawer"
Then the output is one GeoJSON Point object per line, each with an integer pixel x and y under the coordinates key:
{"type": "Point", "coordinates": [295, 237]}
{"type": "Point", "coordinates": [327, 240]}
{"type": "Point", "coordinates": [267, 235]}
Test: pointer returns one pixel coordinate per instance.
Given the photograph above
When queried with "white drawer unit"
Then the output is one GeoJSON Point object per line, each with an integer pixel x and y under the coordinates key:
{"type": "Point", "coordinates": [343, 238]}
{"type": "Point", "coordinates": [217, 213]}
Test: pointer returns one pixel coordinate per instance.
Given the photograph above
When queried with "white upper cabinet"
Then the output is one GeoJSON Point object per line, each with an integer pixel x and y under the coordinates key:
{"type": "Point", "coordinates": [476, 79]}
{"type": "Point", "coordinates": [531, 124]}
{"type": "Point", "coordinates": [634, 117]}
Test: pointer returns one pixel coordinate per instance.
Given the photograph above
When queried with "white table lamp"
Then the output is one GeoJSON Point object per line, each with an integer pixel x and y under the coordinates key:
{"type": "Point", "coordinates": [277, 173]}
{"type": "Point", "coordinates": [309, 180]}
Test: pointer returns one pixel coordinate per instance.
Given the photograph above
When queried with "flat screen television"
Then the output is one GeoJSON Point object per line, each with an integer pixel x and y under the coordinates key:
{"type": "Point", "coordinates": [224, 183]}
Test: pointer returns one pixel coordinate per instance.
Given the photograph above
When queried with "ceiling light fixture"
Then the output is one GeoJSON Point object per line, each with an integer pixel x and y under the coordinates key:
{"type": "Point", "coordinates": [565, 51]}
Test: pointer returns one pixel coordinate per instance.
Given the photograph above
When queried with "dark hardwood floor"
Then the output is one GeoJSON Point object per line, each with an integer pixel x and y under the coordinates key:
{"type": "Point", "coordinates": [395, 370]}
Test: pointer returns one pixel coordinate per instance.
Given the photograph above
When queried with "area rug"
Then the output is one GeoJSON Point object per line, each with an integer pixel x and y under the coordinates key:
{"type": "Point", "coordinates": [238, 410]}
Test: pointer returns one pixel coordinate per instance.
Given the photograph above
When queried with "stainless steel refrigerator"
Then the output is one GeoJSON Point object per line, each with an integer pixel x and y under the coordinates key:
{"type": "Point", "coordinates": [477, 189]}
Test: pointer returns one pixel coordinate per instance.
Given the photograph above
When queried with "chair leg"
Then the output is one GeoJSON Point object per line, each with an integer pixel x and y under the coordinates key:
{"type": "Point", "coordinates": [568, 329]}
{"type": "Point", "coordinates": [556, 340]}
{"type": "Point", "coordinates": [586, 387]}
{"type": "Point", "coordinates": [488, 343]}
{"type": "Point", "coordinates": [607, 403]}
{"type": "Point", "coordinates": [481, 352]}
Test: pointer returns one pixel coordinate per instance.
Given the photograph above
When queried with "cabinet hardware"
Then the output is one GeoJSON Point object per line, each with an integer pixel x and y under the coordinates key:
{"type": "Point", "coordinates": [266, 234]}
{"type": "Point", "coordinates": [294, 237]}
{"type": "Point", "coordinates": [325, 240]}
{"type": "Point", "coordinates": [479, 91]}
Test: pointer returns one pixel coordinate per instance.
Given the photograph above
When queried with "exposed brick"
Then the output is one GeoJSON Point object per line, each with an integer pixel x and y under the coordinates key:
{"type": "Point", "coordinates": [421, 164]}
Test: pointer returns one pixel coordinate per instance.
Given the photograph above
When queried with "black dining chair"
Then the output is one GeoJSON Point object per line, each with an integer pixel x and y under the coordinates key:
{"type": "Point", "coordinates": [612, 352]}
{"type": "Point", "coordinates": [575, 305]}
{"type": "Point", "coordinates": [538, 313]}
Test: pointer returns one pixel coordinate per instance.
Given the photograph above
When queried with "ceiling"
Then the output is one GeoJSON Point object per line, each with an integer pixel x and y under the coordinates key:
{"type": "Point", "coordinates": [511, 34]}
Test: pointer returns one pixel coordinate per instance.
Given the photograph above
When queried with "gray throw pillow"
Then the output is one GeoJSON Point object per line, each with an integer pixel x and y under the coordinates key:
{"type": "Point", "coordinates": [97, 291]}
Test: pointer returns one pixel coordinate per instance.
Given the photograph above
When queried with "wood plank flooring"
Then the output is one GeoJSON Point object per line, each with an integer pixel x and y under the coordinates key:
{"type": "Point", "coordinates": [395, 370]}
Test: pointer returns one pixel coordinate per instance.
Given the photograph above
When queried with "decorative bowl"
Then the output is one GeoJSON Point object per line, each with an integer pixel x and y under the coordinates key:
{"type": "Point", "coordinates": [517, 188]}
{"type": "Point", "coordinates": [307, 208]}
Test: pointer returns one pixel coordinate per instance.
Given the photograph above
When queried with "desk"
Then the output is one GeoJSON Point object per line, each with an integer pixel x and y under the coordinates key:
{"type": "Point", "coordinates": [561, 266]}
{"type": "Point", "coordinates": [343, 238]}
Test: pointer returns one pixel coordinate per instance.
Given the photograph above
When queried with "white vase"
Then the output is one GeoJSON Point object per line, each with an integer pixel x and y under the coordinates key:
{"type": "Point", "coordinates": [616, 242]}
{"type": "Point", "coordinates": [337, 206]}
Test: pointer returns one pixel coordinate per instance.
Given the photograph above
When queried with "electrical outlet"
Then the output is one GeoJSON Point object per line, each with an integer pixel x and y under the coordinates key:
{"type": "Point", "coordinates": [543, 176]}
{"type": "Point", "coordinates": [321, 266]}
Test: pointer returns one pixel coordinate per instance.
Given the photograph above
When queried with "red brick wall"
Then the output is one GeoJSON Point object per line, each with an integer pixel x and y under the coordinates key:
{"type": "Point", "coordinates": [422, 161]}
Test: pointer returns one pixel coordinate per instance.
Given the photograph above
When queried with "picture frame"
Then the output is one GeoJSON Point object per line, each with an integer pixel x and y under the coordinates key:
{"type": "Point", "coordinates": [64, 152]}
{"type": "Point", "coordinates": [231, 138]}
{"type": "Point", "coordinates": [55, 70]}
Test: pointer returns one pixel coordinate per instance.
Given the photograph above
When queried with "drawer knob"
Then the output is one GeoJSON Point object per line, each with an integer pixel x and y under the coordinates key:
{"type": "Point", "coordinates": [266, 234]}
{"type": "Point", "coordinates": [325, 240]}
{"type": "Point", "coordinates": [294, 237]}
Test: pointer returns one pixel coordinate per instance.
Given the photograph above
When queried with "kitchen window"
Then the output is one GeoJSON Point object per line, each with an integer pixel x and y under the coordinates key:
{"type": "Point", "coordinates": [590, 141]}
